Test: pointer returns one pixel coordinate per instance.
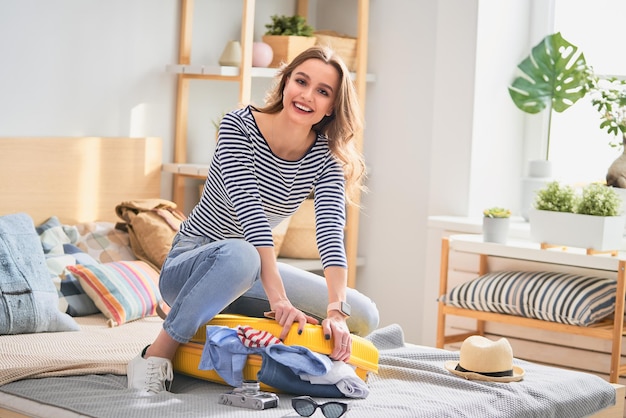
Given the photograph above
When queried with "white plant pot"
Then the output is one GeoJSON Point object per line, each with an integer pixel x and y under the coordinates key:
{"type": "Point", "coordinates": [495, 229]}
{"type": "Point", "coordinates": [598, 233]}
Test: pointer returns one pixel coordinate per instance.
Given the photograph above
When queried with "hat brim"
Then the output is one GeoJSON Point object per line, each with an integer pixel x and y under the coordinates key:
{"type": "Point", "coordinates": [518, 374]}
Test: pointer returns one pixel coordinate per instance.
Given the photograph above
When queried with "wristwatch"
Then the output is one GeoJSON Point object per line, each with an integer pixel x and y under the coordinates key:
{"type": "Point", "coordinates": [342, 307]}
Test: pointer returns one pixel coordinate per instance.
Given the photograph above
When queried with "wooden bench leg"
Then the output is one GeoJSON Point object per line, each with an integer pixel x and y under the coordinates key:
{"type": "Point", "coordinates": [618, 323]}
{"type": "Point", "coordinates": [443, 289]}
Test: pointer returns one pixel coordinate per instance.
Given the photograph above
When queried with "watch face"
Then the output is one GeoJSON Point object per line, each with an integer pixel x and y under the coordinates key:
{"type": "Point", "coordinates": [342, 307]}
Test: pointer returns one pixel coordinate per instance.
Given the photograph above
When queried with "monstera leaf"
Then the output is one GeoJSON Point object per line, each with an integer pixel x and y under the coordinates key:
{"type": "Point", "coordinates": [554, 74]}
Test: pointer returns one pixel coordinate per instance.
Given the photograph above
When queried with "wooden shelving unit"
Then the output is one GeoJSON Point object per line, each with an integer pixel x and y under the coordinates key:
{"type": "Point", "coordinates": [243, 75]}
{"type": "Point", "coordinates": [610, 329]}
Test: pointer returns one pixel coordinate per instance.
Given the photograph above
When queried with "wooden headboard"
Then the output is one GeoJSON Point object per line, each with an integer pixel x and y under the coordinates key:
{"type": "Point", "coordinates": [77, 179]}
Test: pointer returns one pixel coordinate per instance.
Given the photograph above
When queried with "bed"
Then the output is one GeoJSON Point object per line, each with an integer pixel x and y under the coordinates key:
{"type": "Point", "coordinates": [79, 181]}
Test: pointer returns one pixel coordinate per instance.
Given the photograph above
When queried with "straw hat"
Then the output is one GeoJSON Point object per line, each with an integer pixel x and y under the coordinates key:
{"type": "Point", "coordinates": [483, 359]}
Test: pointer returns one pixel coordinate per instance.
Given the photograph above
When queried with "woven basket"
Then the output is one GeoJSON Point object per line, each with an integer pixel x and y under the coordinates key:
{"type": "Point", "coordinates": [300, 238]}
{"type": "Point", "coordinates": [343, 45]}
{"type": "Point", "coordinates": [278, 234]}
{"type": "Point", "coordinates": [286, 48]}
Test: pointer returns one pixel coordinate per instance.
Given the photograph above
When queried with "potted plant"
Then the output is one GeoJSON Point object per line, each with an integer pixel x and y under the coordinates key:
{"type": "Point", "coordinates": [555, 197]}
{"type": "Point", "coordinates": [609, 98]}
{"type": "Point", "coordinates": [288, 36]}
{"type": "Point", "coordinates": [591, 220]}
{"type": "Point", "coordinates": [496, 224]}
{"type": "Point", "coordinates": [554, 76]}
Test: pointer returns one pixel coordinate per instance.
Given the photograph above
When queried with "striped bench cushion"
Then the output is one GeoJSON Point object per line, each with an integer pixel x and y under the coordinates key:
{"type": "Point", "coordinates": [549, 296]}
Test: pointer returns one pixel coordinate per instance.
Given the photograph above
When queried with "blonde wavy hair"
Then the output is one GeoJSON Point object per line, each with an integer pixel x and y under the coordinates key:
{"type": "Point", "coordinates": [341, 126]}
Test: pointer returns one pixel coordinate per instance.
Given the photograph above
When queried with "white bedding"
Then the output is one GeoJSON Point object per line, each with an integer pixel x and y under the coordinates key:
{"type": "Point", "coordinates": [412, 382]}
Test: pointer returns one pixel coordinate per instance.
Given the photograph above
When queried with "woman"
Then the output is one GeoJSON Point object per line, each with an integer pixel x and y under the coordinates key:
{"type": "Point", "coordinates": [267, 161]}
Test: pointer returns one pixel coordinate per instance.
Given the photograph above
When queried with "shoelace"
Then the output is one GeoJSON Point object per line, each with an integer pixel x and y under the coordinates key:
{"type": "Point", "coordinates": [157, 375]}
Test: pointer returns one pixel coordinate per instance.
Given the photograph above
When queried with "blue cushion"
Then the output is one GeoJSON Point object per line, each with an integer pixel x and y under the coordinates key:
{"type": "Point", "coordinates": [549, 296]}
{"type": "Point", "coordinates": [29, 301]}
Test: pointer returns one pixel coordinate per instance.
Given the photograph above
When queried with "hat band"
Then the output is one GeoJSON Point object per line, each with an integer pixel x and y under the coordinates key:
{"type": "Point", "coordinates": [489, 374]}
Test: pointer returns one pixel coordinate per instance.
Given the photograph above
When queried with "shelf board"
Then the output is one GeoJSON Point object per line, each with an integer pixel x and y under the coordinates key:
{"type": "Point", "coordinates": [217, 71]}
{"type": "Point", "coordinates": [188, 170]}
{"type": "Point", "coordinates": [311, 264]}
{"type": "Point", "coordinates": [528, 250]}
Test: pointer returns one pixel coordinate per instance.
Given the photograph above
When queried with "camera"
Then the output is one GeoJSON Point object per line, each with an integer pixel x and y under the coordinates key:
{"type": "Point", "coordinates": [249, 396]}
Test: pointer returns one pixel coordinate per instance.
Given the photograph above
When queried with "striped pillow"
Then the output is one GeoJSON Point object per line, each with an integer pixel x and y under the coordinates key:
{"type": "Point", "coordinates": [549, 296]}
{"type": "Point", "coordinates": [122, 290]}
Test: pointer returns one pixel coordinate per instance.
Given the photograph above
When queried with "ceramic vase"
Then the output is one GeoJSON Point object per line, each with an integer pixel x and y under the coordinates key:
{"type": "Point", "coordinates": [231, 56]}
{"type": "Point", "coordinates": [262, 54]}
{"type": "Point", "coordinates": [495, 229]}
{"type": "Point", "coordinates": [615, 174]}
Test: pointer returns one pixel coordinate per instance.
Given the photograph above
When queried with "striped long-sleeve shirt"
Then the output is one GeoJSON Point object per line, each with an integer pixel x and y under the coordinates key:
{"type": "Point", "coordinates": [249, 190]}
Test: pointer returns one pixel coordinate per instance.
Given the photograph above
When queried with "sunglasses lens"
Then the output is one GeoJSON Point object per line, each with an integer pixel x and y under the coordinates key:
{"type": "Point", "coordinates": [303, 408]}
{"type": "Point", "coordinates": [333, 410]}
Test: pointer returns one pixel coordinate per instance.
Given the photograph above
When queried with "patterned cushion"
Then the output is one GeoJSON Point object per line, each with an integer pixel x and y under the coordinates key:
{"type": "Point", "coordinates": [549, 296]}
{"type": "Point", "coordinates": [28, 299]}
{"type": "Point", "coordinates": [103, 242]}
{"type": "Point", "coordinates": [53, 235]}
{"type": "Point", "coordinates": [55, 241]}
{"type": "Point", "coordinates": [122, 290]}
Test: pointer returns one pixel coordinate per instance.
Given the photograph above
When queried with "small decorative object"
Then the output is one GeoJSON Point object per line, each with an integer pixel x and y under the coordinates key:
{"type": "Point", "coordinates": [609, 98]}
{"type": "Point", "coordinates": [262, 54]}
{"type": "Point", "coordinates": [591, 220]}
{"type": "Point", "coordinates": [288, 36]}
{"type": "Point", "coordinates": [231, 56]}
{"type": "Point", "coordinates": [496, 224]}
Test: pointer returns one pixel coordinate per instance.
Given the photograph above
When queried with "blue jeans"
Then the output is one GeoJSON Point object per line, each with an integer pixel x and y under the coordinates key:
{"type": "Point", "coordinates": [202, 278]}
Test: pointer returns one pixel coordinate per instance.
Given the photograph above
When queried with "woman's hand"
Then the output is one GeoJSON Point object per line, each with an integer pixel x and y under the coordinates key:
{"type": "Point", "coordinates": [335, 327]}
{"type": "Point", "coordinates": [286, 314]}
{"type": "Point", "coordinates": [281, 309]}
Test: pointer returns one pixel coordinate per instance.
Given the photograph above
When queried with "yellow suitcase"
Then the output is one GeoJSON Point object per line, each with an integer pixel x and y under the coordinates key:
{"type": "Point", "coordinates": [364, 354]}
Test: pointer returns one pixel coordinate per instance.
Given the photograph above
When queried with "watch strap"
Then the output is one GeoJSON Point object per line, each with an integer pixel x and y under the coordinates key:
{"type": "Point", "coordinates": [342, 307]}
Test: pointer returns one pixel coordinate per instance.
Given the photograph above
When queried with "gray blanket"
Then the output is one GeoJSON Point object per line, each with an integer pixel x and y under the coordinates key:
{"type": "Point", "coordinates": [412, 382]}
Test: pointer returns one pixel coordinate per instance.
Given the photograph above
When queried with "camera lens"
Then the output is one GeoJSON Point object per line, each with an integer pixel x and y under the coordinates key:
{"type": "Point", "coordinates": [250, 386]}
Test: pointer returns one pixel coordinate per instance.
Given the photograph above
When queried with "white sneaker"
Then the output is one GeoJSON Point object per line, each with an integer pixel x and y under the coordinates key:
{"type": "Point", "coordinates": [152, 374]}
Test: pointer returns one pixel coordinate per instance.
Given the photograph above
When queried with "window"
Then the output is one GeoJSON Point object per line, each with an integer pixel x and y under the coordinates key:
{"type": "Point", "coordinates": [579, 149]}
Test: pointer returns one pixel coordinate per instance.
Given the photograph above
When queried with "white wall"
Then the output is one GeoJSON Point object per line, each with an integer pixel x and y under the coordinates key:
{"type": "Point", "coordinates": [90, 67]}
{"type": "Point", "coordinates": [87, 67]}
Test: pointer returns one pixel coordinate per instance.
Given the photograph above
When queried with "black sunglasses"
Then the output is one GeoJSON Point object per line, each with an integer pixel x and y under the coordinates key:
{"type": "Point", "coordinates": [305, 406]}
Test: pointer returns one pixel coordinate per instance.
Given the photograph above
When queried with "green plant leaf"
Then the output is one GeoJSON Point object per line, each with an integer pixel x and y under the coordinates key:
{"type": "Point", "coordinates": [555, 197]}
{"type": "Point", "coordinates": [554, 74]}
{"type": "Point", "coordinates": [289, 26]}
{"type": "Point", "coordinates": [599, 200]}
